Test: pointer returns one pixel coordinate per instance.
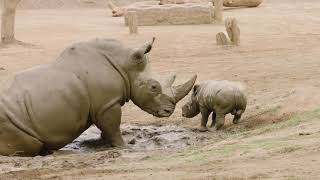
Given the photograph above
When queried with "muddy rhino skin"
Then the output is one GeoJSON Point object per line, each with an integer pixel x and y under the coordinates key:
{"type": "Point", "coordinates": [46, 107]}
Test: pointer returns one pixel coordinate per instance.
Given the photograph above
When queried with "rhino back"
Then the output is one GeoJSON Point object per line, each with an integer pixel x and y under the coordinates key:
{"type": "Point", "coordinates": [218, 95]}
{"type": "Point", "coordinates": [103, 82]}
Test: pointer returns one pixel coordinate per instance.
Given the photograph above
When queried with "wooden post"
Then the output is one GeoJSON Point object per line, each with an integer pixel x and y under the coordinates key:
{"type": "Point", "coordinates": [221, 39]}
{"type": "Point", "coordinates": [233, 30]}
{"type": "Point", "coordinates": [218, 10]}
{"type": "Point", "coordinates": [132, 22]}
{"type": "Point", "coordinates": [8, 20]}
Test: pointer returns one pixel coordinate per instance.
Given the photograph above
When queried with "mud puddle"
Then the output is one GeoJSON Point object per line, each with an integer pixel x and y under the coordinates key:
{"type": "Point", "coordinates": [140, 138]}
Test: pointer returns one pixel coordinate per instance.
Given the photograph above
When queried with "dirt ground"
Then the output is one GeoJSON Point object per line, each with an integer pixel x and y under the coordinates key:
{"type": "Point", "coordinates": [278, 61]}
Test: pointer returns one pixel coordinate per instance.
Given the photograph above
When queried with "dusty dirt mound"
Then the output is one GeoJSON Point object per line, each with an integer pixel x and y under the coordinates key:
{"type": "Point", "coordinates": [140, 138]}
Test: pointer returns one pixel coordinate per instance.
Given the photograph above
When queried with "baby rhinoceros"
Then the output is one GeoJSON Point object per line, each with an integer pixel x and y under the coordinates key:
{"type": "Point", "coordinates": [218, 97]}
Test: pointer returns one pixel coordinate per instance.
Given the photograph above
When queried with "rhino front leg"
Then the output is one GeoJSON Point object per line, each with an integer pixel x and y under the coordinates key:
{"type": "Point", "coordinates": [108, 122]}
{"type": "Point", "coordinates": [204, 119]}
{"type": "Point", "coordinates": [220, 120]}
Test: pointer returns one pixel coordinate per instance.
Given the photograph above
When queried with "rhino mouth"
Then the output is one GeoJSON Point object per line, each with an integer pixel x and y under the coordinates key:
{"type": "Point", "coordinates": [186, 115]}
{"type": "Point", "coordinates": [166, 112]}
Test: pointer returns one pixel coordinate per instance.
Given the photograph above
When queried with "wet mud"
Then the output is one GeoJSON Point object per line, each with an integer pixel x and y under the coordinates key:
{"type": "Point", "coordinates": [138, 138]}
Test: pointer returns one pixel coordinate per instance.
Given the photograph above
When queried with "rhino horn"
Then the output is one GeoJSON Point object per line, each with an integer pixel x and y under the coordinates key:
{"type": "Point", "coordinates": [182, 90]}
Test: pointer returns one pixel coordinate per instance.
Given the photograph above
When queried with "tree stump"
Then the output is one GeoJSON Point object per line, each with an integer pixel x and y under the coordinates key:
{"type": "Point", "coordinates": [132, 22]}
{"type": "Point", "coordinates": [218, 10]}
{"type": "Point", "coordinates": [221, 39]}
{"type": "Point", "coordinates": [233, 30]}
{"type": "Point", "coordinates": [8, 20]}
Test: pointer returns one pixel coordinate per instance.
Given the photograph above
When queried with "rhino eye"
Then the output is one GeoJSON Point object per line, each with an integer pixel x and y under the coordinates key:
{"type": "Point", "coordinates": [153, 87]}
{"type": "Point", "coordinates": [138, 56]}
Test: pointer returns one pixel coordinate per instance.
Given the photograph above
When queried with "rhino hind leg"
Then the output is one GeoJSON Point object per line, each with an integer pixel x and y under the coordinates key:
{"type": "Point", "coordinates": [14, 142]}
{"type": "Point", "coordinates": [237, 117]}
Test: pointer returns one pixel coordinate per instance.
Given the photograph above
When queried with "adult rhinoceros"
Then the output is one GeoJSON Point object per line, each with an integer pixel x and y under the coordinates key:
{"type": "Point", "coordinates": [47, 107]}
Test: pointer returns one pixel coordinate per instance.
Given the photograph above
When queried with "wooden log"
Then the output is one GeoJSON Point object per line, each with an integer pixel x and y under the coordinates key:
{"type": "Point", "coordinates": [115, 10]}
{"type": "Point", "coordinates": [162, 2]}
{"type": "Point", "coordinates": [239, 3]}
{"type": "Point", "coordinates": [233, 30]}
{"type": "Point", "coordinates": [132, 22]}
{"type": "Point", "coordinates": [221, 39]}
{"type": "Point", "coordinates": [8, 20]}
{"type": "Point", "coordinates": [218, 10]}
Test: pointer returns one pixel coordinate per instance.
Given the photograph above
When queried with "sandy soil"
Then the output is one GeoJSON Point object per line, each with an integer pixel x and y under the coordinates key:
{"type": "Point", "coordinates": [278, 61]}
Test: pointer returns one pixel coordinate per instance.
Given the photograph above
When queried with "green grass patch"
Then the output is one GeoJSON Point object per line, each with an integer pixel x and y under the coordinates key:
{"type": "Point", "coordinates": [293, 121]}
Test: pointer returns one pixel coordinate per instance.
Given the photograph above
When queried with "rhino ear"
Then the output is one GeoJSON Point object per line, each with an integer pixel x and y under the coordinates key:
{"type": "Point", "coordinates": [148, 46]}
{"type": "Point", "coordinates": [195, 89]}
{"type": "Point", "coordinates": [138, 54]}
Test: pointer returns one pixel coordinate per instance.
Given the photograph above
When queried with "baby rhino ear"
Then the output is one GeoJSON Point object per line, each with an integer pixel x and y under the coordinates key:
{"type": "Point", "coordinates": [196, 89]}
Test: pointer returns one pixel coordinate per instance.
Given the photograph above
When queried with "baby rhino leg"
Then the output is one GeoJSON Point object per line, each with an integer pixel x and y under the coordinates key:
{"type": "Point", "coordinates": [237, 117]}
{"type": "Point", "coordinates": [213, 119]}
{"type": "Point", "coordinates": [204, 119]}
{"type": "Point", "coordinates": [219, 120]}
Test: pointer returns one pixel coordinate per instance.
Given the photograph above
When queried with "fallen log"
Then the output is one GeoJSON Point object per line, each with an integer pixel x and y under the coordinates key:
{"type": "Point", "coordinates": [115, 10]}
{"type": "Point", "coordinates": [244, 3]}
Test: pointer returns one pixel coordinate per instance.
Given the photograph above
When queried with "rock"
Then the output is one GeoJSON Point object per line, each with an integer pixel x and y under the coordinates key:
{"type": "Point", "coordinates": [304, 134]}
{"type": "Point", "coordinates": [132, 141]}
{"type": "Point", "coordinates": [221, 39]}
